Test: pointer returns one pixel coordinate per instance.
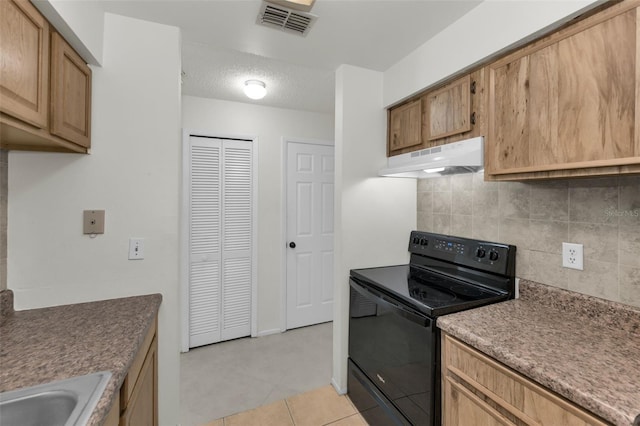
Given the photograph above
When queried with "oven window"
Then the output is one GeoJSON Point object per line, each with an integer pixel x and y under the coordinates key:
{"type": "Point", "coordinates": [396, 353]}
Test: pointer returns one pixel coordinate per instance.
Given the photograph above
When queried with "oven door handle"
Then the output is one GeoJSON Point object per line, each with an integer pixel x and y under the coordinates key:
{"type": "Point", "coordinates": [380, 299]}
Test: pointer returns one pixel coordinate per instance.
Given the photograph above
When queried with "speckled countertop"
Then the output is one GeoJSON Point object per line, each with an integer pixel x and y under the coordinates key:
{"type": "Point", "coordinates": [583, 348]}
{"type": "Point", "coordinates": [48, 344]}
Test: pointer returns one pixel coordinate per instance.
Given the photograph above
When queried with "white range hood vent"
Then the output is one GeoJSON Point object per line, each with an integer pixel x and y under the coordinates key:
{"type": "Point", "coordinates": [454, 158]}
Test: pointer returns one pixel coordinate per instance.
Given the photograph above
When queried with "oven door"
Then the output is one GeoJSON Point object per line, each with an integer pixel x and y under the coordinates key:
{"type": "Point", "coordinates": [395, 347]}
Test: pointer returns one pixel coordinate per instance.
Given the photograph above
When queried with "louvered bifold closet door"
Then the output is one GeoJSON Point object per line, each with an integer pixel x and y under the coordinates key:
{"type": "Point", "coordinates": [205, 241]}
{"type": "Point", "coordinates": [237, 239]}
{"type": "Point", "coordinates": [220, 240]}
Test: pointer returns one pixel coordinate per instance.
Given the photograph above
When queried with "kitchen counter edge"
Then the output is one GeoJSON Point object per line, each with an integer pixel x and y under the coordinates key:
{"type": "Point", "coordinates": [542, 336]}
{"type": "Point", "coordinates": [60, 342]}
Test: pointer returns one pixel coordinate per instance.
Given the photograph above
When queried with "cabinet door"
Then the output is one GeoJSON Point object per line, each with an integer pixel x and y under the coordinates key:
{"type": "Point", "coordinates": [135, 370]}
{"type": "Point", "coordinates": [113, 417]}
{"type": "Point", "coordinates": [405, 126]}
{"type": "Point", "coordinates": [449, 109]}
{"type": "Point", "coordinates": [24, 62]}
{"type": "Point", "coordinates": [70, 93]}
{"type": "Point", "coordinates": [568, 101]}
{"type": "Point", "coordinates": [463, 407]}
{"type": "Point", "coordinates": [142, 409]}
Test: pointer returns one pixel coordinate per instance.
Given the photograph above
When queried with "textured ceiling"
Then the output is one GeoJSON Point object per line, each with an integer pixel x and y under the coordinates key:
{"type": "Point", "coordinates": [223, 45]}
{"type": "Point", "coordinates": [220, 74]}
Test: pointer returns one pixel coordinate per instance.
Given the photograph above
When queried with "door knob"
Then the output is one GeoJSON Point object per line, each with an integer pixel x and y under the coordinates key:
{"type": "Point", "coordinates": [292, 244]}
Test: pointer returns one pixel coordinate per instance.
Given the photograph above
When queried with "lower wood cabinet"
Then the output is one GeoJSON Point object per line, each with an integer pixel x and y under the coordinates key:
{"type": "Point", "coordinates": [464, 407]}
{"type": "Point", "coordinates": [113, 417]}
{"type": "Point", "coordinates": [479, 391]}
{"type": "Point", "coordinates": [139, 391]}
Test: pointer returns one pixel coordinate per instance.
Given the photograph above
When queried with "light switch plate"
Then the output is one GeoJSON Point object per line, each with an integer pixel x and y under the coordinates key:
{"type": "Point", "coordinates": [93, 222]}
{"type": "Point", "coordinates": [136, 248]}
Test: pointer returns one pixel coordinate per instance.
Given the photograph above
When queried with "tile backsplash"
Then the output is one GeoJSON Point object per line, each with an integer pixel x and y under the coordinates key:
{"type": "Point", "coordinates": [603, 214]}
{"type": "Point", "coordinates": [4, 168]}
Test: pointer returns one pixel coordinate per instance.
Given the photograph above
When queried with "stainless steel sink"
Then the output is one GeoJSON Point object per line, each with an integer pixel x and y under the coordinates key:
{"type": "Point", "coordinates": [61, 403]}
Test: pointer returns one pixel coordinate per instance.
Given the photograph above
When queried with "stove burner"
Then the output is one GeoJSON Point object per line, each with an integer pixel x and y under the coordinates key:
{"type": "Point", "coordinates": [466, 290]}
{"type": "Point", "coordinates": [430, 296]}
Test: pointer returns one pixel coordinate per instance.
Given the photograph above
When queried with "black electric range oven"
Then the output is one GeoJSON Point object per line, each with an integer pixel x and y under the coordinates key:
{"type": "Point", "coordinates": [394, 345]}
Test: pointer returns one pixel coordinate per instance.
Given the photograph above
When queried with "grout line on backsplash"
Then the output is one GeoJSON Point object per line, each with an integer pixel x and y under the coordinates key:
{"type": "Point", "coordinates": [619, 295]}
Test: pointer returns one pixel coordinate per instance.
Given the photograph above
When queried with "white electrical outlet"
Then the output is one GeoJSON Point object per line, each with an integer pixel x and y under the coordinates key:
{"type": "Point", "coordinates": [572, 256]}
{"type": "Point", "coordinates": [136, 248]}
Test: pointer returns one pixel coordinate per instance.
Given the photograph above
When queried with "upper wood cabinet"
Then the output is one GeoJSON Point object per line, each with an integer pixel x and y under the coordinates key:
{"type": "Point", "coordinates": [567, 105]}
{"type": "Point", "coordinates": [45, 87]}
{"type": "Point", "coordinates": [449, 109]}
{"type": "Point", "coordinates": [405, 126]}
{"type": "Point", "coordinates": [445, 114]}
{"type": "Point", "coordinates": [70, 93]}
{"type": "Point", "coordinates": [24, 62]}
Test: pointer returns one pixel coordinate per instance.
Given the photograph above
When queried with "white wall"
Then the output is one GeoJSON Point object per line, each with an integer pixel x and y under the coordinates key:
{"type": "Point", "coordinates": [270, 126]}
{"type": "Point", "coordinates": [80, 23]}
{"type": "Point", "coordinates": [133, 173]}
{"type": "Point", "coordinates": [488, 28]}
{"type": "Point", "coordinates": [374, 215]}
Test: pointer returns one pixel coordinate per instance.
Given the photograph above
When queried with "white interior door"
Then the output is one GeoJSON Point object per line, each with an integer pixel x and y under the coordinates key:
{"type": "Point", "coordinates": [220, 239]}
{"type": "Point", "coordinates": [310, 176]}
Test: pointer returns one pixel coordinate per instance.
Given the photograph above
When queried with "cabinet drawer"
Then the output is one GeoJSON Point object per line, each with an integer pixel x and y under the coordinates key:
{"type": "Point", "coordinates": [525, 400]}
{"type": "Point", "coordinates": [130, 380]}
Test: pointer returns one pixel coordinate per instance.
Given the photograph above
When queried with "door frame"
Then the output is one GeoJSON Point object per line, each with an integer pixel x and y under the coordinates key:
{"type": "Point", "coordinates": [183, 289]}
{"type": "Point", "coordinates": [285, 174]}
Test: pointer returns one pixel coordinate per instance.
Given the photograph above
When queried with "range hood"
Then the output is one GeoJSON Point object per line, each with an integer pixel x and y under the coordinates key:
{"type": "Point", "coordinates": [454, 158]}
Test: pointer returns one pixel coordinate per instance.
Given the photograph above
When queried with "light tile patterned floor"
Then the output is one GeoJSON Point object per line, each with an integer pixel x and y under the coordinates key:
{"type": "Point", "coordinates": [318, 407]}
{"type": "Point", "coordinates": [235, 376]}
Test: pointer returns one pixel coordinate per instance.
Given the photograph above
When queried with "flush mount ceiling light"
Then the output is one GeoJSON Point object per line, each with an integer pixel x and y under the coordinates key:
{"type": "Point", "coordinates": [255, 89]}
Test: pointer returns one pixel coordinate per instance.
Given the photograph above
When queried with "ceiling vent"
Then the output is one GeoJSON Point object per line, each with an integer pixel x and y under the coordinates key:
{"type": "Point", "coordinates": [285, 19]}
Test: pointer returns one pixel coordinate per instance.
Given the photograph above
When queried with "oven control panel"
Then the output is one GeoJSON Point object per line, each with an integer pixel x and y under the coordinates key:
{"type": "Point", "coordinates": [449, 246]}
{"type": "Point", "coordinates": [479, 254]}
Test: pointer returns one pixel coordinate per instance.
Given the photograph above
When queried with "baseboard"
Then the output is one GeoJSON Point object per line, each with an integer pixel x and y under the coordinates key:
{"type": "Point", "coordinates": [341, 391]}
{"type": "Point", "coordinates": [268, 332]}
